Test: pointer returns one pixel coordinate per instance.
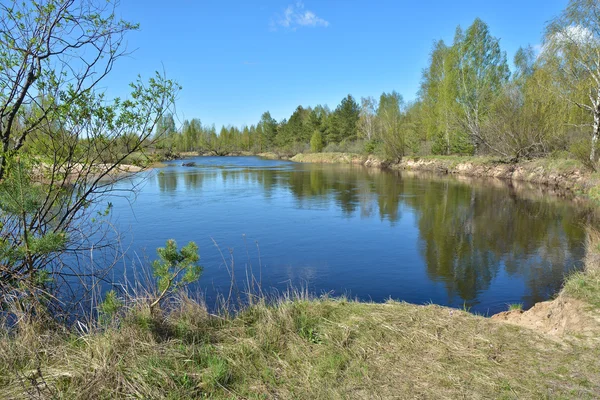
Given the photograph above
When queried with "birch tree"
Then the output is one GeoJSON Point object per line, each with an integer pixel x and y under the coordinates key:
{"type": "Point", "coordinates": [389, 115]}
{"type": "Point", "coordinates": [439, 93]}
{"type": "Point", "coordinates": [482, 71]}
{"type": "Point", "coordinates": [572, 47]}
{"type": "Point", "coordinates": [367, 121]}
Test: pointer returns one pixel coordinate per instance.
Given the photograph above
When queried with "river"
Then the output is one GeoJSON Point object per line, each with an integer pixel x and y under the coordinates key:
{"type": "Point", "coordinates": [349, 230]}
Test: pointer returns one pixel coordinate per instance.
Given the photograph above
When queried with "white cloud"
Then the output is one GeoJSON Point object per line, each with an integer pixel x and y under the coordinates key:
{"type": "Point", "coordinates": [576, 34]}
{"type": "Point", "coordinates": [296, 16]}
{"type": "Point", "coordinates": [571, 35]}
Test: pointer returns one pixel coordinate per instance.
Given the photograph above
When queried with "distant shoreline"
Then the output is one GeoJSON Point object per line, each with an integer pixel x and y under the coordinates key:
{"type": "Point", "coordinates": [559, 174]}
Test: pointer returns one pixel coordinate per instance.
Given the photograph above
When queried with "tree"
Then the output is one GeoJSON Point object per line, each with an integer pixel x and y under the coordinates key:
{"type": "Point", "coordinates": [572, 49]}
{"type": "Point", "coordinates": [246, 139]}
{"type": "Point", "coordinates": [345, 121]}
{"type": "Point", "coordinates": [61, 139]}
{"type": "Point", "coordinates": [367, 124]}
{"type": "Point", "coordinates": [295, 130]}
{"type": "Point", "coordinates": [57, 50]}
{"type": "Point", "coordinates": [267, 130]}
{"type": "Point", "coordinates": [389, 115]}
{"type": "Point", "coordinates": [316, 142]}
{"type": "Point", "coordinates": [439, 93]}
{"type": "Point", "coordinates": [222, 144]}
{"type": "Point", "coordinates": [482, 71]}
{"type": "Point", "coordinates": [191, 132]}
{"type": "Point", "coordinates": [319, 120]}
{"type": "Point", "coordinates": [525, 119]}
{"type": "Point", "coordinates": [175, 269]}
{"type": "Point", "coordinates": [166, 132]}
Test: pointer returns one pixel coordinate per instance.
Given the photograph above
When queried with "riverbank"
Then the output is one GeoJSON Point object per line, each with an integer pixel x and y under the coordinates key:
{"type": "Point", "coordinates": [317, 348]}
{"type": "Point", "coordinates": [558, 174]}
{"type": "Point", "coordinates": [564, 174]}
{"type": "Point", "coordinates": [74, 172]}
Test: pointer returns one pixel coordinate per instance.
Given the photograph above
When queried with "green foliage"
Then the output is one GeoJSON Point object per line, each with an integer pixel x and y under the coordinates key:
{"type": "Point", "coordinates": [217, 373]}
{"type": "Point", "coordinates": [110, 307]}
{"type": "Point", "coordinates": [175, 268]}
{"type": "Point", "coordinates": [316, 142]}
{"type": "Point", "coordinates": [584, 286]}
{"type": "Point", "coordinates": [393, 134]}
{"type": "Point", "coordinates": [515, 307]}
{"type": "Point", "coordinates": [18, 195]}
{"type": "Point", "coordinates": [295, 130]}
{"type": "Point", "coordinates": [20, 202]}
{"type": "Point", "coordinates": [482, 72]}
{"type": "Point", "coordinates": [370, 146]}
{"type": "Point", "coordinates": [344, 123]}
{"type": "Point", "coordinates": [267, 130]}
{"type": "Point", "coordinates": [580, 149]}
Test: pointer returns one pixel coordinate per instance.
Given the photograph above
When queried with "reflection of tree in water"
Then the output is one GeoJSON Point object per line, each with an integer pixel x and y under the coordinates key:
{"type": "Point", "coordinates": [167, 181]}
{"type": "Point", "coordinates": [367, 198]}
{"type": "Point", "coordinates": [351, 188]}
{"type": "Point", "coordinates": [192, 180]}
{"type": "Point", "coordinates": [389, 188]}
{"type": "Point", "coordinates": [468, 233]}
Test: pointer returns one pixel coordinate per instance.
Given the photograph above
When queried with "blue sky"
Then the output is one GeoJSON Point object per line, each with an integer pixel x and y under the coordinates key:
{"type": "Point", "coordinates": [237, 59]}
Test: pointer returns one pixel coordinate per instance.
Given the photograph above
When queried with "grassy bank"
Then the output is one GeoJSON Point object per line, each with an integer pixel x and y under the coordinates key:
{"type": "Point", "coordinates": [302, 349]}
{"type": "Point", "coordinates": [314, 349]}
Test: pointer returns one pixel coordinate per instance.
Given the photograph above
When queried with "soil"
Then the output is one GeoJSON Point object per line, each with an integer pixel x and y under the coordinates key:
{"type": "Point", "coordinates": [560, 317]}
{"type": "Point", "coordinates": [525, 171]}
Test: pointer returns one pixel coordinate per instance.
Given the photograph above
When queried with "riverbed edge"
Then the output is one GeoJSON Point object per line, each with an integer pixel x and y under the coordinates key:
{"type": "Point", "coordinates": [563, 174]}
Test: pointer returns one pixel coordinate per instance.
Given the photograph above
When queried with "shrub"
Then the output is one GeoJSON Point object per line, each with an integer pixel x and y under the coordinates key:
{"type": "Point", "coordinates": [109, 308]}
{"type": "Point", "coordinates": [175, 269]}
{"type": "Point", "coordinates": [581, 151]}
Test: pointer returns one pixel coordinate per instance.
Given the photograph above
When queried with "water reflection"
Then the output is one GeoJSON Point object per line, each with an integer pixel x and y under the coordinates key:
{"type": "Point", "coordinates": [167, 181]}
{"type": "Point", "coordinates": [469, 233]}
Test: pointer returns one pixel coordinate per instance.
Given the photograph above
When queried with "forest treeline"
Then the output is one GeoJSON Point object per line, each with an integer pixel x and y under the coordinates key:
{"type": "Point", "coordinates": [470, 102]}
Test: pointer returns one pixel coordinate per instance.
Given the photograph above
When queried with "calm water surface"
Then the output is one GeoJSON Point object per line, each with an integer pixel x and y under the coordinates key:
{"type": "Point", "coordinates": [365, 233]}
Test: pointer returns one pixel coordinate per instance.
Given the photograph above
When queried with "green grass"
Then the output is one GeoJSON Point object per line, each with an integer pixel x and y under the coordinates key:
{"type": "Point", "coordinates": [298, 348]}
{"type": "Point", "coordinates": [585, 285]}
{"type": "Point", "coordinates": [515, 307]}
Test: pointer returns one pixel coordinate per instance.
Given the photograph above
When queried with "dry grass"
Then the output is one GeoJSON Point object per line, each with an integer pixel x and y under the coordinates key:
{"type": "Point", "coordinates": [330, 158]}
{"type": "Point", "coordinates": [298, 348]}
